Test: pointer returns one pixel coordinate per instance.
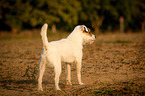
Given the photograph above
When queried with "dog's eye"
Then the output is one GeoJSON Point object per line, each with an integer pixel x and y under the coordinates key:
{"type": "Point", "coordinates": [86, 31]}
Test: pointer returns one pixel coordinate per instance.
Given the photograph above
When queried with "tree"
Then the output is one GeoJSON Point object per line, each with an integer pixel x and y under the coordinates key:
{"type": "Point", "coordinates": [96, 12]}
{"type": "Point", "coordinates": [66, 11]}
{"type": "Point", "coordinates": [133, 11]}
{"type": "Point", "coordinates": [35, 12]}
{"type": "Point", "coordinates": [140, 14]}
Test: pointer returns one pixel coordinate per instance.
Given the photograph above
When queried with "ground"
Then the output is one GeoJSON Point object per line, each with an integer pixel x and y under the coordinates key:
{"type": "Point", "coordinates": [113, 65]}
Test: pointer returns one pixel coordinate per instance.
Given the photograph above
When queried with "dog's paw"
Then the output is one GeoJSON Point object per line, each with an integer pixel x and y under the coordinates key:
{"type": "Point", "coordinates": [57, 88]}
{"type": "Point", "coordinates": [81, 83]}
{"type": "Point", "coordinates": [40, 89]}
{"type": "Point", "coordinates": [68, 83]}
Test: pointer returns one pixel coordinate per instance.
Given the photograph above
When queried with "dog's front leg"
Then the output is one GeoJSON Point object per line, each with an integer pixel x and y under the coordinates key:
{"type": "Point", "coordinates": [68, 74]}
{"type": "Point", "coordinates": [78, 66]}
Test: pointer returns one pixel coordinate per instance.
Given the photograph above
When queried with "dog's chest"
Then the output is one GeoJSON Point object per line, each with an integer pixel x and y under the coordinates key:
{"type": "Point", "coordinates": [68, 54]}
{"type": "Point", "coordinates": [68, 59]}
{"type": "Point", "coordinates": [71, 55]}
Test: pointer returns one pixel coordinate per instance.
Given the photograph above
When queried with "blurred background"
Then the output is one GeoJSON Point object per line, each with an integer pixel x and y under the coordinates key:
{"type": "Point", "coordinates": [114, 64]}
{"type": "Point", "coordinates": [99, 15]}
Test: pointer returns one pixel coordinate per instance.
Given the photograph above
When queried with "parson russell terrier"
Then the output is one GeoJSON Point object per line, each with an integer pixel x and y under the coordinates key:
{"type": "Point", "coordinates": [69, 50]}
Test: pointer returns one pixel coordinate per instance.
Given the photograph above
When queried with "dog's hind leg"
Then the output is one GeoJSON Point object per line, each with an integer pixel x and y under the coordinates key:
{"type": "Point", "coordinates": [41, 72]}
{"type": "Point", "coordinates": [68, 74]}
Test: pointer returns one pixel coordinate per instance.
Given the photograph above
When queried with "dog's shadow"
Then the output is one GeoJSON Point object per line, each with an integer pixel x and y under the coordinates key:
{"type": "Point", "coordinates": [51, 84]}
{"type": "Point", "coordinates": [25, 85]}
{"type": "Point", "coordinates": [20, 85]}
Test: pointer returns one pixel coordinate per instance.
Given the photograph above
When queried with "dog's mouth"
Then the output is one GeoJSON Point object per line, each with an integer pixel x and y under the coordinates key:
{"type": "Point", "coordinates": [93, 39]}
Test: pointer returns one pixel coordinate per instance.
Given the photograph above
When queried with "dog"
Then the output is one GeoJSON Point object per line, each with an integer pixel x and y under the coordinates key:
{"type": "Point", "coordinates": [69, 50]}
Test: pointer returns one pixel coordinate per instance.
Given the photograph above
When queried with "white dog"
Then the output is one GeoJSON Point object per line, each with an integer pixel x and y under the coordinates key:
{"type": "Point", "coordinates": [67, 50]}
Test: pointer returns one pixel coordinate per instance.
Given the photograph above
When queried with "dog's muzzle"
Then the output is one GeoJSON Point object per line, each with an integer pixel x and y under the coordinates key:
{"type": "Point", "coordinates": [93, 38]}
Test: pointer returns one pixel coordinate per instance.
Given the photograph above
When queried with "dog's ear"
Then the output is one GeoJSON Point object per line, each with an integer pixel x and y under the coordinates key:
{"type": "Point", "coordinates": [89, 30]}
{"type": "Point", "coordinates": [82, 27]}
{"type": "Point", "coordinates": [85, 29]}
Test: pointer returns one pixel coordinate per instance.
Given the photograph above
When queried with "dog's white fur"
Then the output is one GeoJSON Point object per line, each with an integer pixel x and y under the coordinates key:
{"type": "Point", "coordinates": [67, 50]}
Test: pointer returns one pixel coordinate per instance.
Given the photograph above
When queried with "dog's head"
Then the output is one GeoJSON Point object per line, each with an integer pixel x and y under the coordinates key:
{"type": "Point", "coordinates": [87, 36]}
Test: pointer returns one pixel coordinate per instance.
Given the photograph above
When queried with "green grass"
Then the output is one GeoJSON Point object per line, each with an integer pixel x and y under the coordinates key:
{"type": "Point", "coordinates": [122, 88]}
{"type": "Point", "coordinates": [117, 41]}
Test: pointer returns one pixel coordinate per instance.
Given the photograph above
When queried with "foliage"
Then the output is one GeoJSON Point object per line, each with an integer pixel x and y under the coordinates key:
{"type": "Point", "coordinates": [97, 14]}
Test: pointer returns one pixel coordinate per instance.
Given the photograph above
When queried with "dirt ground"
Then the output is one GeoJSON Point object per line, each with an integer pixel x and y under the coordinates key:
{"type": "Point", "coordinates": [113, 65]}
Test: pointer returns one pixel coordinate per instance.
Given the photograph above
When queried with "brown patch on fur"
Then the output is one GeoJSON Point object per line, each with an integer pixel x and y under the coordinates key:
{"type": "Point", "coordinates": [87, 33]}
{"type": "Point", "coordinates": [45, 48]}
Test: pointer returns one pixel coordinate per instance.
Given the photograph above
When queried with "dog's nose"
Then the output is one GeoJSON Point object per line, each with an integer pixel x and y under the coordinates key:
{"type": "Point", "coordinates": [95, 37]}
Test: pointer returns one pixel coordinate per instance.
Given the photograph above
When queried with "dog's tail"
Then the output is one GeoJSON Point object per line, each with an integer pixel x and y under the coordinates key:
{"type": "Point", "coordinates": [44, 35]}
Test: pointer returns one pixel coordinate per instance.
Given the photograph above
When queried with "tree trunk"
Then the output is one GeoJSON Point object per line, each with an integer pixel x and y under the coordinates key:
{"type": "Point", "coordinates": [97, 30]}
{"type": "Point", "coordinates": [143, 26]}
{"type": "Point", "coordinates": [97, 23]}
{"type": "Point", "coordinates": [14, 30]}
{"type": "Point", "coordinates": [54, 28]}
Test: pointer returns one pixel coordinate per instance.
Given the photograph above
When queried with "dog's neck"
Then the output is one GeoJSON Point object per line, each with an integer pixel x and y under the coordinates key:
{"type": "Point", "coordinates": [76, 38]}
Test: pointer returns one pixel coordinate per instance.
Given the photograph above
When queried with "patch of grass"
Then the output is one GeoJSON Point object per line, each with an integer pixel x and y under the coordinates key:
{"type": "Point", "coordinates": [30, 73]}
{"type": "Point", "coordinates": [105, 89]}
{"type": "Point", "coordinates": [122, 88]}
{"type": "Point", "coordinates": [117, 41]}
{"type": "Point", "coordinates": [122, 41]}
